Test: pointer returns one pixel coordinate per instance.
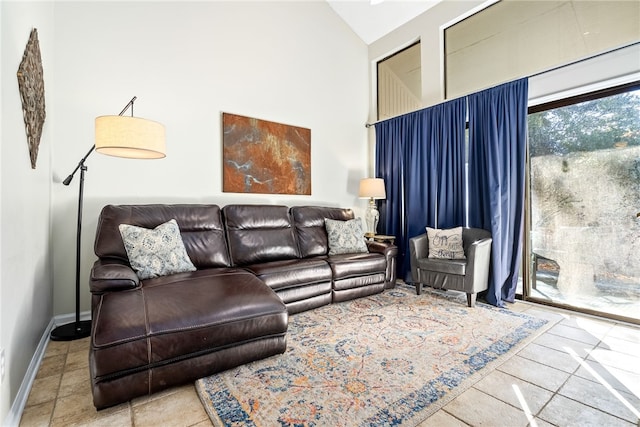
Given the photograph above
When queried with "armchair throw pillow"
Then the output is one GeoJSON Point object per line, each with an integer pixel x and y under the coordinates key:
{"type": "Point", "coordinates": [445, 243]}
{"type": "Point", "coordinates": [345, 237]}
{"type": "Point", "coordinates": [157, 252]}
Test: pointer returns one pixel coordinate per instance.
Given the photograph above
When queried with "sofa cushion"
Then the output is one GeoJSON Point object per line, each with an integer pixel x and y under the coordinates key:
{"type": "Point", "coordinates": [156, 252]}
{"type": "Point", "coordinates": [185, 315]}
{"type": "Point", "coordinates": [259, 233]}
{"type": "Point", "coordinates": [445, 244]}
{"type": "Point", "coordinates": [354, 265]}
{"type": "Point", "coordinates": [357, 275]}
{"type": "Point", "coordinates": [302, 284]}
{"type": "Point", "coordinates": [292, 273]}
{"type": "Point", "coordinates": [345, 237]}
{"type": "Point", "coordinates": [310, 229]}
{"type": "Point", "coordinates": [201, 229]}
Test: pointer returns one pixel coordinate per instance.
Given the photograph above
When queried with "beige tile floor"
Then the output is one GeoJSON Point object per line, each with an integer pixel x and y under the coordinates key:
{"type": "Point", "coordinates": [583, 371]}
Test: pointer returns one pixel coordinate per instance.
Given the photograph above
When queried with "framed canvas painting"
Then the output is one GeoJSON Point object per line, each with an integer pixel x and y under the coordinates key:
{"type": "Point", "coordinates": [260, 156]}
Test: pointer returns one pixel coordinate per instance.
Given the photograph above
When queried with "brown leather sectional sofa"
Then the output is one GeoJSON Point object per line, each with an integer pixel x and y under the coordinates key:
{"type": "Point", "coordinates": [256, 264]}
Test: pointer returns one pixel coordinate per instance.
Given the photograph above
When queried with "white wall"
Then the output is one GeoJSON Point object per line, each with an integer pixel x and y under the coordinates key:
{"type": "Point", "coordinates": [25, 250]}
{"type": "Point", "coordinates": [187, 62]}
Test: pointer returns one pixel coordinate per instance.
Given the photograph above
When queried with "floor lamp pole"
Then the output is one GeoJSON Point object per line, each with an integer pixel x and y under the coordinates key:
{"type": "Point", "coordinates": [78, 329]}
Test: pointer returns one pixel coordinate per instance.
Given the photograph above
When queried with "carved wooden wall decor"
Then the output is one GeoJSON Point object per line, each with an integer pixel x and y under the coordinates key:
{"type": "Point", "coordinates": [265, 157]}
{"type": "Point", "coordinates": [31, 85]}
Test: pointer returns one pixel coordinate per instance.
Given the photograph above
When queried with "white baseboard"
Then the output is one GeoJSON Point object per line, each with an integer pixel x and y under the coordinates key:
{"type": "Point", "coordinates": [15, 413]}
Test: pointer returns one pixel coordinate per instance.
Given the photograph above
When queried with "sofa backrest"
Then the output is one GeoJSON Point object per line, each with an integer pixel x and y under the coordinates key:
{"type": "Point", "coordinates": [200, 226]}
{"type": "Point", "coordinates": [310, 230]}
{"type": "Point", "coordinates": [259, 233]}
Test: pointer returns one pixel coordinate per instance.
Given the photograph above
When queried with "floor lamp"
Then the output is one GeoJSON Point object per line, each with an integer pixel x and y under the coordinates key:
{"type": "Point", "coordinates": [120, 136]}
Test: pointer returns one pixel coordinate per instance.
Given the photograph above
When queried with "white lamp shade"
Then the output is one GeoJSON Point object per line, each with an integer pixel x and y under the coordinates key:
{"type": "Point", "coordinates": [372, 188]}
{"type": "Point", "coordinates": [131, 137]}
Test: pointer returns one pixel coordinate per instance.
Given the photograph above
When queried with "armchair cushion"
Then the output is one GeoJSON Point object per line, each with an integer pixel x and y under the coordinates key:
{"type": "Point", "coordinates": [447, 266]}
{"type": "Point", "coordinates": [445, 244]}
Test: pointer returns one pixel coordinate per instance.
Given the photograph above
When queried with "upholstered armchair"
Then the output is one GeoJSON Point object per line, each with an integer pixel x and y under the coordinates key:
{"type": "Point", "coordinates": [468, 275]}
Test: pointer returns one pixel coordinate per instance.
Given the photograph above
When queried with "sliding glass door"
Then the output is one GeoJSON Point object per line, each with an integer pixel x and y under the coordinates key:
{"type": "Point", "coordinates": [584, 203]}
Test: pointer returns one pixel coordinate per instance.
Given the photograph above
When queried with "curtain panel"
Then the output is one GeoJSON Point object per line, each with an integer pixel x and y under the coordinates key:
{"type": "Point", "coordinates": [497, 150]}
{"type": "Point", "coordinates": [420, 156]}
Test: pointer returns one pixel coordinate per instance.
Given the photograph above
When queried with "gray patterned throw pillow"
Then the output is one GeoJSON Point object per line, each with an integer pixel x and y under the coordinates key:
{"type": "Point", "coordinates": [345, 237]}
{"type": "Point", "coordinates": [157, 252]}
{"type": "Point", "coordinates": [445, 244]}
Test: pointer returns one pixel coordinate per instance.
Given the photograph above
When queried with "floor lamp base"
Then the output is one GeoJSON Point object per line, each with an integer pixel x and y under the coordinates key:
{"type": "Point", "coordinates": [72, 331]}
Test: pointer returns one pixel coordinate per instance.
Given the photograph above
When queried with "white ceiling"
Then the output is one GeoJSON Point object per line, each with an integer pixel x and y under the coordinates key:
{"type": "Point", "coordinates": [373, 19]}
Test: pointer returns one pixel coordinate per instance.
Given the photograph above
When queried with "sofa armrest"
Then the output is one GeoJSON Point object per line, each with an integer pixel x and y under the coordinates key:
{"type": "Point", "coordinates": [378, 247]}
{"type": "Point", "coordinates": [112, 275]}
{"type": "Point", "coordinates": [390, 252]}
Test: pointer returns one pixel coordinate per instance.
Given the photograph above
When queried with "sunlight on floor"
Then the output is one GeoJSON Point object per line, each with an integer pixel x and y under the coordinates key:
{"type": "Point", "coordinates": [602, 381]}
{"type": "Point", "coordinates": [524, 406]}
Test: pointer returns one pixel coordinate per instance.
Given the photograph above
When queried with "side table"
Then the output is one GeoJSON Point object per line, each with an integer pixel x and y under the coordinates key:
{"type": "Point", "coordinates": [383, 238]}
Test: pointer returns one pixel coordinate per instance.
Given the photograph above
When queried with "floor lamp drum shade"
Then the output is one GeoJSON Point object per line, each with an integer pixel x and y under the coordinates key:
{"type": "Point", "coordinates": [131, 137]}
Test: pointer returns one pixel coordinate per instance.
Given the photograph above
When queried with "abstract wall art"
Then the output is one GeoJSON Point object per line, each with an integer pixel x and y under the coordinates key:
{"type": "Point", "coordinates": [31, 86]}
{"type": "Point", "coordinates": [265, 157]}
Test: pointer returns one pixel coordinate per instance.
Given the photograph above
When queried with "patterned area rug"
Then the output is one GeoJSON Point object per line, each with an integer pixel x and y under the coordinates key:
{"type": "Point", "coordinates": [389, 359]}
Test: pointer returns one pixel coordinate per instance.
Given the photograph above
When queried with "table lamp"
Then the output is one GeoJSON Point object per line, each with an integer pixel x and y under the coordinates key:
{"type": "Point", "coordinates": [372, 189]}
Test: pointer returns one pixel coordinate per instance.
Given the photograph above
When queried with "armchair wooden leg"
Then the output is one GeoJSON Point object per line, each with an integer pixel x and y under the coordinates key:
{"type": "Point", "coordinates": [471, 299]}
{"type": "Point", "coordinates": [418, 288]}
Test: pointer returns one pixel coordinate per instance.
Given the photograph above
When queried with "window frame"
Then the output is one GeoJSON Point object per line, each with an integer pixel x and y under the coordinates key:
{"type": "Point", "coordinates": [527, 259]}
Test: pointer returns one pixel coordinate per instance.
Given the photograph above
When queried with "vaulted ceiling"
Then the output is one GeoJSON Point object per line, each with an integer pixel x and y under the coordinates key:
{"type": "Point", "coordinates": [373, 19]}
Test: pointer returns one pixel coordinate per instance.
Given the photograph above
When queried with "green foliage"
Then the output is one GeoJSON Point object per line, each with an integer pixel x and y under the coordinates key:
{"type": "Point", "coordinates": [604, 123]}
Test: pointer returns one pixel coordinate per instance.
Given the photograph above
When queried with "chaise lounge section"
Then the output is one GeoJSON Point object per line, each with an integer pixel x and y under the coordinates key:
{"type": "Point", "coordinates": [255, 265]}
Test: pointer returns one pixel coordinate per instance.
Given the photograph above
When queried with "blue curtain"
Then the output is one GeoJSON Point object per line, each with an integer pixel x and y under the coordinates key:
{"type": "Point", "coordinates": [420, 156]}
{"type": "Point", "coordinates": [390, 146]}
{"type": "Point", "coordinates": [497, 147]}
{"type": "Point", "coordinates": [450, 173]}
